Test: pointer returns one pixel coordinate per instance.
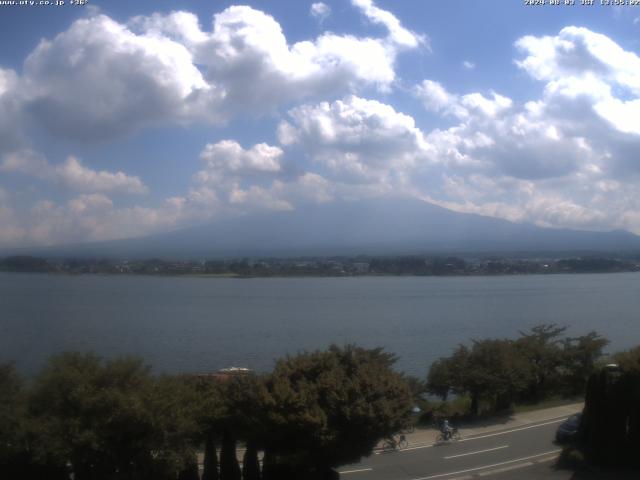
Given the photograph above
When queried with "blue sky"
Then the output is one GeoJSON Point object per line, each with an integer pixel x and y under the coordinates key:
{"type": "Point", "coordinates": [121, 119]}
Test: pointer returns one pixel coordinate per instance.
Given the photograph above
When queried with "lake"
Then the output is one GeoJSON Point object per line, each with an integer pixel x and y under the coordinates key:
{"type": "Point", "coordinates": [190, 324]}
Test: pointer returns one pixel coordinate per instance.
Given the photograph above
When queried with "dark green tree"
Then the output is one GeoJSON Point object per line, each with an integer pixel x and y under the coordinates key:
{"type": "Point", "coordinates": [11, 414]}
{"type": "Point", "coordinates": [211, 413]}
{"type": "Point", "coordinates": [174, 404]}
{"type": "Point", "coordinates": [210, 470]}
{"type": "Point", "coordinates": [541, 348]}
{"type": "Point", "coordinates": [229, 468]}
{"type": "Point", "coordinates": [441, 380]}
{"type": "Point", "coordinates": [94, 415]}
{"type": "Point", "coordinates": [332, 407]}
{"type": "Point", "coordinates": [580, 359]}
{"type": "Point", "coordinates": [250, 463]}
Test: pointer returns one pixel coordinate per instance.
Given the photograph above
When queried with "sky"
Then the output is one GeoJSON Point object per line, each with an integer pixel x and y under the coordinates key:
{"type": "Point", "coordinates": [121, 119]}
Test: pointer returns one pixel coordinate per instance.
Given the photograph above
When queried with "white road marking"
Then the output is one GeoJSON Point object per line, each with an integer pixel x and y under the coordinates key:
{"type": "Point", "coordinates": [430, 445]}
{"type": "Point", "coordinates": [514, 430]}
{"type": "Point", "coordinates": [356, 471]}
{"type": "Point", "coordinates": [508, 468]}
{"type": "Point", "coordinates": [475, 453]}
{"type": "Point", "coordinates": [440, 475]}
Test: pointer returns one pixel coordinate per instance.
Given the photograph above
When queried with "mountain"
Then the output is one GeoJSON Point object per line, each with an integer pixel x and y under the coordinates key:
{"type": "Point", "coordinates": [377, 227]}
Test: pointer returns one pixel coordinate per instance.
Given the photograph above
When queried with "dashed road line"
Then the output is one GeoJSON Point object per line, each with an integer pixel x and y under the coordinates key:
{"type": "Point", "coordinates": [485, 467]}
{"type": "Point", "coordinates": [356, 471]}
{"type": "Point", "coordinates": [514, 430]}
{"type": "Point", "coordinates": [475, 453]}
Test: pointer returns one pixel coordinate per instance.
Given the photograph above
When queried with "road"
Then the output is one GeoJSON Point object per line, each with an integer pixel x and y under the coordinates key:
{"type": "Point", "coordinates": [478, 455]}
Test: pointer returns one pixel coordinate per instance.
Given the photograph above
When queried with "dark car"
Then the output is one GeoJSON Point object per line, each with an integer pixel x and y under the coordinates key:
{"type": "Point", "coordinates": [568, 430]}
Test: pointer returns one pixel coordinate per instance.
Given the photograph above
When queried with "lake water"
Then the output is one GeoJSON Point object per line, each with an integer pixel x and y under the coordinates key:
{"type": "Point", "coordinates": [187, 324]}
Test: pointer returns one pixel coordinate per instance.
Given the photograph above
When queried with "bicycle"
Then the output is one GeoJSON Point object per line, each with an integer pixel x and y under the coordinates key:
{"type": "Point", "coordinates": [391, 444]}
{"type": "Point", "coordinates": [452, 436]}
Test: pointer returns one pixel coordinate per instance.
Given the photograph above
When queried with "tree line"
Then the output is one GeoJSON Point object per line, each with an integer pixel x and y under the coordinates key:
{"type": "Point", "coordinates": [497, 373]}
{"type": "Point", "coordinates": [113, 419]}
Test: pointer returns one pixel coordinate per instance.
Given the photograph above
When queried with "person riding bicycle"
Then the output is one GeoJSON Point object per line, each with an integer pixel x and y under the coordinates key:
{"type": "Point", "coordinates": [446, 429]}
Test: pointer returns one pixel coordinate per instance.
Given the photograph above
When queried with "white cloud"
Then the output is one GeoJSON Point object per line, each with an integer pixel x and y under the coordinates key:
{"type": "Point", "coordinates": [25, 161]}
{"type": "Point", "coordinates": [10, 232]}
{"type": "Point", "coordinates": [229, 156]}
{"type": "Point", "coordinates": [355, 140]}
{"type": "Point", "coordinates": [566, 159]}
{"type": "Point", "coordinates": [165, 68]}
{"type": "Point", "coordinates": [578, 52]}
{"type": "Point", "coordinates": [75, 175]}
{"type": "Point", "coordinates": [91, 202]}
{"type": "Point", "coordinates": [397, 33]}
{"type": "Point", "coordinates": [99, 79]}
{"type": "Point", "coordinates": [97, 217]}
{"type": "Point", "coordinates": [71, 174]}
{"type": "Point", "coordinates": [436, 98]}
{"type": "Point", "coordinates": [11, 134]}
{"type": "Point", "coordinates": [468, 65]}
{"type": "Point", "coordinates": [320, 10]}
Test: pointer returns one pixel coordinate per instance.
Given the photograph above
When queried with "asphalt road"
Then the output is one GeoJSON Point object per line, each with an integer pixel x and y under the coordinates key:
{"type": "Point", "coordinates": [494, 452]}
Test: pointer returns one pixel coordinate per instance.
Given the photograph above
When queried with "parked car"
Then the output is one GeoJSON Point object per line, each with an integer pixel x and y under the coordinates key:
{"type": "Point", "coordinates": [568, 430]}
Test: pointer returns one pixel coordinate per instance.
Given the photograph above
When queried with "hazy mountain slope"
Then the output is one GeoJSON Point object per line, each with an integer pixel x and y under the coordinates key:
{"type": "Point", "coordinates": [372, 227]}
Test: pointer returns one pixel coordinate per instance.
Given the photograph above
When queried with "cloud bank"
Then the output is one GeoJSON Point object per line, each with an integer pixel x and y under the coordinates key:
{"type": "Point", "coordinates": [564, 157]}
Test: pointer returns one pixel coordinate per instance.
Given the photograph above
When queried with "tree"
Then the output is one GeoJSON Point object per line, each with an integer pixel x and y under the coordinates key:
{"type": "Point", "coordinates": [246, 401]}
{"type": "Point", "coordinates": [229, 468]}
{"type": "Point", "coordinates": [542, 351]}
{"type": "Point", "coordinates": [11, 413]}
{"type": "Point", "coordinates": [95, 416]}
{"type": "Point", "coordinates": [628, 360]}
{"type": "Point", "coordinates": [174, 404]}
{"type": "Point", "coordinates": [250, 463]}
{"type": "Point", "coordinates": [210, 470]}
{"type": "Point", "coordinates": [209, 412]}
{"type": "Point", "coordinates": [331, 407]}
{"type": "Point", "coordinates": [441, 380]}
{"type": "Point", "coordinates": [491, 371]}
{"type": "Point", "coordinates": [581, 355]}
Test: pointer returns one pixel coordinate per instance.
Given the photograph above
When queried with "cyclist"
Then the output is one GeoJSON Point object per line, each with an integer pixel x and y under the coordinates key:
{"type": "Point", "coordinates": [446, 429]}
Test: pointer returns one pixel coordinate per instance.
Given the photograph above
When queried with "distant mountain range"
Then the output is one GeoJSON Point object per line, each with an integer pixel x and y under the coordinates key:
{"type": "Point", "coordinates": [373, 227]}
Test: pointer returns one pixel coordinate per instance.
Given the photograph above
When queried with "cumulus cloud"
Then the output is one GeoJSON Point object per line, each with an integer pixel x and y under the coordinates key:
{"type": "Point", "coordinates": [75, 175]}
{"type": "Point", "coordinates": [355, 140]}
{"type": "Point", "coordinates": [229, 156]}
{"type": "Point", "coordinates": [72, 174]}
{"type": "Point", "coordinates": [436, 98]}
{"type": "Point", "coordinates": [100, 78]}
{"type": "Point", "coordinates": [564, 159]}
{"type": "Point", "coordinates": [98, 217]}
{"type": "Point", "coordinates": [567, 157]}
{"type": "Point", "coordinates": [11, 135]}
{"type": "Point", "coordinates": [397, 33]}
{"type": "Point", "coordinates": [579, 52]}
{"type": "Point", "coordinates": [320, 10]}
{"type": "Point", "coordinates": [468, 65]}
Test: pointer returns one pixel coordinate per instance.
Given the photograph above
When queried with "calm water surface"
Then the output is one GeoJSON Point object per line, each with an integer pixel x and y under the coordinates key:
{"type": "Point", "coordinates": [180, 324]}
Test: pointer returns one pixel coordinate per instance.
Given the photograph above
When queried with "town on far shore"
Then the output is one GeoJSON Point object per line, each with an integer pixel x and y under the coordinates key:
{"type": "Point", "coordinates": [339, 266]}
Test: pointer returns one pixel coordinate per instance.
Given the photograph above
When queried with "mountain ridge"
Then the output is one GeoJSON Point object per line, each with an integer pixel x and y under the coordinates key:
{"type": "Point", "coordinates": [375, 227]}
